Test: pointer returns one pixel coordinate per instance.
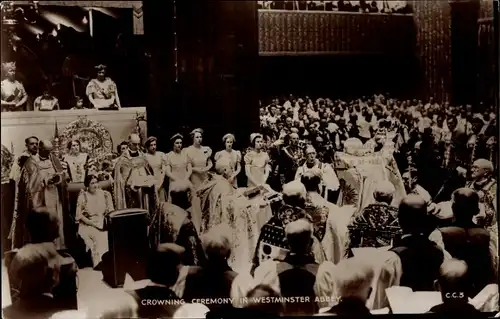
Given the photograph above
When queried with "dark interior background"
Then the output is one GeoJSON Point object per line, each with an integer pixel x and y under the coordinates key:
{"type": "Point", "coordinates": [338, 76]}
{"type": "Point", "coordinates": [58, 47]}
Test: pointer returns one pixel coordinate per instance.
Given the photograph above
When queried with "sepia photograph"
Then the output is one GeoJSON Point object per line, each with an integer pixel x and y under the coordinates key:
{"type": "Point", "coordinates": [220, 158]}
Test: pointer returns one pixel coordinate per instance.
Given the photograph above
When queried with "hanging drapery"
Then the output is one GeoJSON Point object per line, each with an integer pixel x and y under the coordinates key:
{"type": "Point", "coordinates": [176, 43]}
{"type": "Point", "coordinates": [433, 21]}
{"type": "Point", "coordinates": [487, 78]}
{"type": "Point", "coordinates": [307, 33]}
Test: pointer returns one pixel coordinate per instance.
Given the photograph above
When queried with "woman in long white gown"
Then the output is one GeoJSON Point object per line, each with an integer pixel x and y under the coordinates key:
{"type": "Point", "coordinates": [102, 91]}
{"type": "Point", "coordinates": [178, 168]}
{"type": "Point", "coordinates": [199, 158]}
{"type": "Point", "coordinates": [92, 206]}
{"type": "Point", "coordinates": [232, 155]}
{"type": "Point", "coordinates": [13, 94]}
{"type": "Point", "coordinates": [257, 161]}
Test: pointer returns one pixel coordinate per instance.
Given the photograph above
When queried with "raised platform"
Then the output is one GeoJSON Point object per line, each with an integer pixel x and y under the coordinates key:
{"type": "Point", "coordinates": [16, 126]}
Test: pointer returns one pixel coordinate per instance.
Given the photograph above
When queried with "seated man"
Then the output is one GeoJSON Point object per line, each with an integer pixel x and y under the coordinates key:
{"type": "Point", "coordinates": [296, 274]}
{"type": "Point", "coordinates": [353, 282]}
{"type": "Point", "coordinates": [377, 224]}
{"type": "Point", "coordinates": [453, 285]}
{"type": "Point", "coordinates": [163, 271]}
{"type": "Point", "coordinates": [420, 257]}
{"type": "Point", "coordinates": [466, 241]}
{"type": "Point", "coordinates": [34, 272]}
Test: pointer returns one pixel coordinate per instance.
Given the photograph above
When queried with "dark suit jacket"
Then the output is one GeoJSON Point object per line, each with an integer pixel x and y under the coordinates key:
{"type": "Point", "coordinates": [420, 259]}
{"type": "Point", "coordinates": [350, 307]}
{"type": "Point", "coordinates": [209, 282]}
{"type": "Point", "coordinates": [458, 309]}
{"type": "Point", "coordinates": [472, 246]}
{"type": "Point", "coordinates": [143, 296]}
{"type": "Point", "coordinates": [297, 276]}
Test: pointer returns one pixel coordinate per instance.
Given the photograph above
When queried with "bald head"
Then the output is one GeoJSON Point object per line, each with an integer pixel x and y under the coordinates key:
{"type": "Point", "coordinates": [134, 141]}
{"type": "Point", "coordinates": [354, 278]}
{"type": "Point", "coordinates": [45, 144]}
{"type": "Point", "coordinates": [384, 192]}
{"type": "Point", "coordinates": [294, 188]}
{"type": "Point", "coordinates": [134, 138]}
{"type": "Point", "coordinates": [481, 168]}
{"type": "Point", "coordinates": [453, 269]}
{"type": "Point", "coordinates": [412, 215]}
{"type": "Point", "coordinates": [453, 282]}
{"type": "Point", "coordinates": [294, 194]}
{"type": "Point", "coordinates": [44, 148]}
{"type": "Point", "coordinates": [352, 145]}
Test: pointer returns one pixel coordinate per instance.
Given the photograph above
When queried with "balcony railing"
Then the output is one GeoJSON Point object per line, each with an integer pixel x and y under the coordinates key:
{"type": "Point", "coordinates": [380, 6]}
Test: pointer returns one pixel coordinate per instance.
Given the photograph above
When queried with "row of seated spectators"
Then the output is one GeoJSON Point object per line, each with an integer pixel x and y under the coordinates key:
{"type": "Point", "coordinates": [380, 6]}
{"type": "Point", "coordinates": [37, 272]}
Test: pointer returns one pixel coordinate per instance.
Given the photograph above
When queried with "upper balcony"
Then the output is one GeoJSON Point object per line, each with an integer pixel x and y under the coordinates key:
{"type": "Point", "coordinates": [321, 31]}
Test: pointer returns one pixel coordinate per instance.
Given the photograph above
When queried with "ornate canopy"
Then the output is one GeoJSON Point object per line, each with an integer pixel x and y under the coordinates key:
{"type": "Point", "coordinates": [94, 138]}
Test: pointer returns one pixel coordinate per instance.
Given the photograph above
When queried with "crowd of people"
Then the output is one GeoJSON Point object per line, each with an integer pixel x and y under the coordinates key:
{"type": "Point", "coordinates": [101, 92]}
{"type": "Point", "coordinates": [344, 6]}
{"type": "Point", "coordinates": [364, 195]}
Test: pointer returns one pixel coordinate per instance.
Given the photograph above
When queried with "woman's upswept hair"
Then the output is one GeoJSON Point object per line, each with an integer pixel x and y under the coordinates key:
{"type": "Point", "coordinates": [89, 178]}
{"type": "Point", "coordinates": [150, 140]}
{"type": "Point", "coordinates": [70, 144]}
